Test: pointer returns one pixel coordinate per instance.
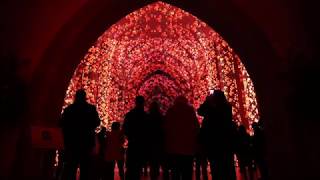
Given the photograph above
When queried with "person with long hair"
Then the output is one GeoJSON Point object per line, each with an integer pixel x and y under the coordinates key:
{"type": "Point", "coordinates": [218, 135]}
{"type": "Point", "coordinates": [181, 128]}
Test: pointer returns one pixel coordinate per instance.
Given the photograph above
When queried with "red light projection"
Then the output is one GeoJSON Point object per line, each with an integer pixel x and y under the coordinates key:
{"type": "Point", "coordinates": [160, 52]}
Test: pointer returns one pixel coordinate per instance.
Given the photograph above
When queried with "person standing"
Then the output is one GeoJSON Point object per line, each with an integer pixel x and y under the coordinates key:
{"type": "Point", "coordinates": [244, 153]}
{"type": "Point", "coordinates": [155, 139]}
{"type": "Point", "coordinates": [134, 129]}
{"type": "Point", "coordinates": [258, 146]}
{"type": "Point", "coordinates": [114, 152]}
{"type": "Point", "coordinates": [78, 122]}
{"type": "Point", "coordinates": [181, 128]}
{"type": "Point", "coordinates": [218, 135]}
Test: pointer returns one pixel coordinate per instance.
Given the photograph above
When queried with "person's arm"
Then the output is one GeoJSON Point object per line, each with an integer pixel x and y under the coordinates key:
{"type": "Point", "coordinates": [202, 109]}
{"type": "Point", "coordinates": [96, 118]}
{"type": "Point", "coordinates": [125, 125]}
{"type": "Point", "coordinates": [122, 138]}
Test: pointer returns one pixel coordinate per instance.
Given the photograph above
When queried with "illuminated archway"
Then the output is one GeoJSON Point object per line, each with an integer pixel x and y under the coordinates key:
{"type": "Point", "coordinates": [161, 51]}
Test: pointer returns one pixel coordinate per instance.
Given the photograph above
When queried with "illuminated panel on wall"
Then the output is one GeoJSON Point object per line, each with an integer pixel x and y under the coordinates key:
{"type": "Point", "coordinates": [160, 52]}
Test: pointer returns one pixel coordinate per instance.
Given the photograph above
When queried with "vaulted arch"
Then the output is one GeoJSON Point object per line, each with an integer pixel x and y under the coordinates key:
{"type": "Point", "coordinates": [162, 37]}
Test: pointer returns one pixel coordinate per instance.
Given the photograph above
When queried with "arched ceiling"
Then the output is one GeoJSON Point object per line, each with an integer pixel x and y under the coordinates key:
{"type": "Point", "coordinates": [161, 51]}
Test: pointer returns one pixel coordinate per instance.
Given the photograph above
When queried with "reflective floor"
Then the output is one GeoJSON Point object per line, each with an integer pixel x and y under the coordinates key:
{"type": "Point", "coordinates": [147, 177]}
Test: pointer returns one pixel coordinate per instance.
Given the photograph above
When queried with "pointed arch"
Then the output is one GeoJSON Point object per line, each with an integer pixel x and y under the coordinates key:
{"type": "Point", "coordinates": [162, 37]}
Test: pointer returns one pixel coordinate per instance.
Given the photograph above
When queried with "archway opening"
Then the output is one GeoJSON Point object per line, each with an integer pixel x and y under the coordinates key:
{"type": "Point", "coordinates": [160, 52]}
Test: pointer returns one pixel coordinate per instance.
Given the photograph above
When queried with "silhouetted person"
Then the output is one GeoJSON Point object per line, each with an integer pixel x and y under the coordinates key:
{"type": "Point", "coordinates": [99, 154]}
{"type": "Point", "coordinates": [102, 136]}
{"type": "Point", "coordinates": [201, 161]}
{"type": "Point", "coordinates": [258, 147]}
{"type": "Point", "coordinates": [155, 139]}
{"type": "Point", "coordinates": [134, 129]}
{"type": "Point", "coordinates": [201, 167]}
{"type": "Point", "coordinates": [218, 135]}
{"type": "Point", "coordinates": [244, 153]}
{"type": "Point", "coordinates": [78, 123]}
{"type": "Point", "coordinates": [114, 152]}
{"type": "Point", "coordinates": [181, 128]}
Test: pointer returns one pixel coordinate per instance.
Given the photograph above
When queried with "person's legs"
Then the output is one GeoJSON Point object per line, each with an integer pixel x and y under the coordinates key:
{"type": "Point", "coordinates": [96, 168]}
{"type": "Point", "coordinates": [176, 170]}
{"type": "Point", "coordinates": [186, 165]}
{"type": "Point", "coordinates": [227, 167]}
{"type": "Point", "coordinates": [262, 166]}
{"type": "Point", "coordinates": [165, 165]}
{"type": "Point", "coordinates": [70, 172]}
{"type": "Point", "coordinates": [213, 168]}
{"type": "Point", "coordinates": [85, 166]}
{"type": "Point", "coordinates": [108, 170]}
{"type": "Point", "coordinates": [134, 165]}
{"type": "Point", "coordinates": [204, 166]}
{"type": "Point", "coordinates": [120, 164]}
{"type": "Point", "coordinates": [198, 166]}
{"type": "Point", "coordinates": [129, 165]}
{"type": "Point", "coordinates": [144, 167]}
{"type": "Point", "coordinates": [70, 165]}
{"type": "Point", "coordinates": [243, 170]}
{"type": "Point", "coordinates": [111, 169]}
{"type": "Point", "coordinates": [250, 171]}
{"type": "Point", "coordinates": [154, 168]}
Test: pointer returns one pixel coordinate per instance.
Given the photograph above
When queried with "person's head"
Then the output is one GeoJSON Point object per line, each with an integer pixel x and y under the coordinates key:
{"type": "Point", "coordinates": [139, 101]}
{"type": "Point", "coordinates": [115, 126]}
{"type": "Point", "coordinates": [80, 95]}
{"type": "Point", "coordinates": [219, 97]}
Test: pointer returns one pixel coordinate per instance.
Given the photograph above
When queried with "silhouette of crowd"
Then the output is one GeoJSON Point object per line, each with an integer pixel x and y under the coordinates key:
{"type": "Point", "coordinates": [151, 143]}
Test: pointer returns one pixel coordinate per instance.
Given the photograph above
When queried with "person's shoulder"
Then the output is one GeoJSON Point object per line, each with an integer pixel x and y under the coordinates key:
{"type": "Point", "coordinates": [69, 107]}
{"type": "Point", "coordinates": [130, 112]}
{"type": "Point", "coordinates": [91, 106]}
